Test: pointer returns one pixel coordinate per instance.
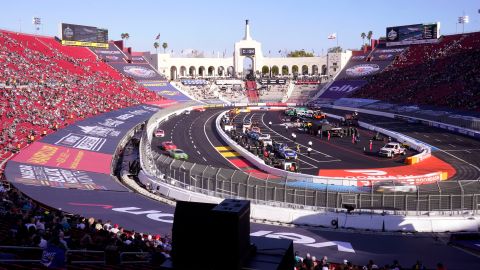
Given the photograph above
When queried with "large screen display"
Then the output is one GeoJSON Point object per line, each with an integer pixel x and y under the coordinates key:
{"type": "Point", "coordinates": [81, 35]}
{"type": "Point", "coordinates": [412, 34]}
{"type": "Point", "coordinates": [247, 51]}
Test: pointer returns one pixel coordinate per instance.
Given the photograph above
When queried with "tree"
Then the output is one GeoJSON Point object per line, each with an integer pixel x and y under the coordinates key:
{"type": "Point", "coordinates": [164, 46]}
{"type": "Point", "coordinates": [156, 45]}
{"type": "Point", "coordinates": [265, 70]}
{"type": "Point", "coordinates": [336, 49]}
{"type": "Point", "coordinates": [300, 53]}
{"type": "Point", "coordinates": [125, 37]}
{"type": "Point", "coordinates": [369, 36]}
{"type": "Point", "coordinates": [363, 36]}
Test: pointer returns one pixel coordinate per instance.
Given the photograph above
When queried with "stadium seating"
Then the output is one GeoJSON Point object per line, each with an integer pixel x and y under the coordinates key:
{"type": "Point", "coordinates": [44, 86]}
{"type": "Point", "coordinates": [444, 74]}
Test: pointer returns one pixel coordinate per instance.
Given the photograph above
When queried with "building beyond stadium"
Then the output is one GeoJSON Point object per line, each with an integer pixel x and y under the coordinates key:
{"type": "Point", "coordinates": [249, 51]}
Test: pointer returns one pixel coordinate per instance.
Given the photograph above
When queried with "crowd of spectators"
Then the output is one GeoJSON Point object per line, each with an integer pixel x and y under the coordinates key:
{"type": "Point", "coordinates": [44, 86]}
{"type": "Point", "coordinates": [25, 223]}
{"type": "Point", "coordinates": [445, 74]}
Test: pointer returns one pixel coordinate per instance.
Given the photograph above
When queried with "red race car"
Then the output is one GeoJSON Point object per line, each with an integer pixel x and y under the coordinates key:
{"type": "Point", "coordinates": [168, 146]}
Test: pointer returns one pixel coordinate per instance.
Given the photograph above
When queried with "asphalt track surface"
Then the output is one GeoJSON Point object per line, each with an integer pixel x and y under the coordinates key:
{"type": "Point", "coordinates": [462, 152]}
{"type": "Point", "coordinates": [326, 154]}
{"type": "Point", "coordinates": [195, 134]}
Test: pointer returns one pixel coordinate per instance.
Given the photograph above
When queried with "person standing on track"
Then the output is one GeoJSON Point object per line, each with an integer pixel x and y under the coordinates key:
{"type": "Point", "coordinates": [286, 128]}
{"type": "Point", "coordinates": [294, 137]}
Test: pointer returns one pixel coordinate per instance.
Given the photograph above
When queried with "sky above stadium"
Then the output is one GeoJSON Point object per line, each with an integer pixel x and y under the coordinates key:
{"type": "Point", "coordinates": [214, 26]}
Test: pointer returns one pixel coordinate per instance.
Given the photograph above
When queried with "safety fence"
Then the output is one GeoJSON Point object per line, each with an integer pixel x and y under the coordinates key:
{"type": "Point", "coordinates": [453, 196]}
{"type": "Point", "coordinates": [442, 197]}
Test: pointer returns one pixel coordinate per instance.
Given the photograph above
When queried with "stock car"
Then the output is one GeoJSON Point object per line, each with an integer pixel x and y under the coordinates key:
{"type": "Point", "coordinates": [178, 154]}
{"type": "Point", "coordinates": [159, 133]}
{"type": "Point", "coordinates": [253, 135]}
{"type": "Point", "coordinates": [264, 137]}
{"type": "Point", "coordinates": [255, 129]}
{"type": "Point", "coordinates": [287, 153]}
{"type": "Point", "coordinates": [167, 146]}
{"type": "Point", "coordinates": [389, 186]}
{"type": "Point", "coordinates": [201, 109]}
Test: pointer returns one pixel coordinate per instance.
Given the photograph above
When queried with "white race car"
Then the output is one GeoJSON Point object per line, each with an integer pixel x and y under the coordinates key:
{"type": "Point", "coordinates": [391, 149]}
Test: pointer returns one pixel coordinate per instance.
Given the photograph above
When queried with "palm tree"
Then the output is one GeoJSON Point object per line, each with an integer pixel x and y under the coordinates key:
{"type": "Point", "coordinates": [164, 46]}
{"type": "Point", "coordinates": [125, 36]}
{"type": "Point", "coordinates": [369, 36]}
{"type": "Point", "coordinates": [156, 45]}
{"type": "Point", "coordinates": [363, 36]}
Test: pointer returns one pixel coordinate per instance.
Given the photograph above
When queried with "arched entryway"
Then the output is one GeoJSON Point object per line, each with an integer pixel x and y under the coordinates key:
{"type": "Point", "coordinates": [324, 69]}
{"type": "Point", "coordinates": [247, 65]}
{"type": "Point", "coordinates": [284, 70]}
{"type": "Point", "coordinates": [173, 73]}
{"type": "Point", "coordinates": [211, 71]}
{"type": "Point", "coordinates": [221, 71]}
{"type": "Point", "coordinates": [304, 70]}
{"type": "Point", "coordinates": [230, 71]}
{"type": "Point", "coordinates": [295, 69]}
{"type": "Point", "coordinates": [265, 70]}
{"type": "Point", "coordinates": [201, 71]}
{"type": "Point", "coordinates": [275, 71]}
{"type": "Point", "coordinates": [183, 71]}
{"type": "Point", "coordinates": [314, 70]}
{"type": "Point", "coordinates": [192, 71]}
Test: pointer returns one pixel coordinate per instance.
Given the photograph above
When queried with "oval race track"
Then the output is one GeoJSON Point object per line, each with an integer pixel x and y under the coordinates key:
{"type": "Point", "coordinates": [134, 211]}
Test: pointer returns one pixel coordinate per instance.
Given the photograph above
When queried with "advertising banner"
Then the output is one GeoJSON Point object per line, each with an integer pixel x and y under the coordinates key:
{"type": "Point", "coordinates": [101, 133]}
{"type": "Point", "coordinates": [35, 175]}
{"type": "Point", "coordinates": [355, 70]}
{"type": "Point", "coordinates": [138, 71]}
{"type": "Point", "coordinates": [166, 90]}
{"type": "Point", "coordinates": [44, 154]}
{"type": "Point", "coordinates": [340, 89]}
{"type": "Point", "coordinates": [386, 54]}
{"type": "Point", "coordinates": [110, 54]}
{"type": "Point", "coordinates": [138, 60]}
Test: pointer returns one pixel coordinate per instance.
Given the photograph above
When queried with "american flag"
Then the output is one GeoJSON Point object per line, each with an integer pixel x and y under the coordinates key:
{"type": "Point", "coordinates": [158, 37]}
{"type": "Point", "coordinates": [332, 36]}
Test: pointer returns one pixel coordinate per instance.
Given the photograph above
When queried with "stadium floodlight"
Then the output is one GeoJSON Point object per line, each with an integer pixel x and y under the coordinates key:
{"type": "Point", "coordinates": [37, 21]}
{"type": "Point", "coordinates": [463, 20]}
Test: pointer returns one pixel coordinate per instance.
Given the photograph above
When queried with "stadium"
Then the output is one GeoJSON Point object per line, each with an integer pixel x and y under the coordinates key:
{"type": "Point", "coordinates": [113, 158]}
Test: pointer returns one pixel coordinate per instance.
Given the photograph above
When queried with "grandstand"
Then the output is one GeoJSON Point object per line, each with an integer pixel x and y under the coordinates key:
{"type": "Point", "coordinates": [47, 89]}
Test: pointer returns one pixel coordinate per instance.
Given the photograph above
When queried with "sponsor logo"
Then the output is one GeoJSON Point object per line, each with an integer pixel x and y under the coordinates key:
{"type": "Point", "coordinates": [107, 52]}
{"type": "Point", "coordinates": [362, 70]}
{"type": "Point", "coordinates": [55, 177]}
{"type": "Point", "coordinates": [138, 71]}
{"type": "Point", "coordinates": [68, 33]}
{"type": "Point", "coordinates": [347, 88]}
{"type": "Point", "coordinates": [82, 142]}
{"type": "Point", "coordinates": [385, 56]}
{"type": "Point", "coordinates": [306, 240]}
{"type": "Point", "coordinates": [169, 93]}
{"type": "Point", "coordinates": [392, 35]}
{"type": "Point", "coordinates": [112, 57]}
{"type": "Point", "coordinates": [390, 51]}
{"type": "Point", "coordinates": [358, 57]}
{"type": "Point", "coordinates": [99, 131]}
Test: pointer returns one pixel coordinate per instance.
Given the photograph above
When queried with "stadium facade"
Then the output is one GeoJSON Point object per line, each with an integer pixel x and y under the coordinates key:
{"type": "Point", "coordinates": [249, 51]}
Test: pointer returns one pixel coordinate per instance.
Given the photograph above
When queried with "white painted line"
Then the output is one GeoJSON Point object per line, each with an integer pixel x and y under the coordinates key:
{"type": "Point", "coordinates": [204, 159]}
{"type": "Point", "coordinates": [437, 140]}
{"type": "Point", "coordinates": [426, 136]}
{"type": "Point", "coordinates": [198, 152]}
{"type": "Point", "coordinates": [194, 146]}
{"type": "Point", "coordinates": [468, 151]}
{"type": "Point", "coordinates": [451, 145]}
{"type": "Point", "coordinates": [192, 142]}
{"type": "Point", "coordinates": [458, 139]}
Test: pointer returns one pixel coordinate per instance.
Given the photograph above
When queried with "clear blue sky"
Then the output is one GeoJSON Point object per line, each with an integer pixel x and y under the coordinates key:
{"type": "Point", "coordinates": [215, 25]}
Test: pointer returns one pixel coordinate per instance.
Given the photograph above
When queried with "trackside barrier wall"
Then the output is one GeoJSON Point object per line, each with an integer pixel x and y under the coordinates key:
{"type": "Point", "coordinates": [449, 127]}
{"type": "Point", "coordinates": [442, 198]}
{"type": "Point", "coordinates": [275, 171]}
{"type": "Point", "coordinates": [425, 151]}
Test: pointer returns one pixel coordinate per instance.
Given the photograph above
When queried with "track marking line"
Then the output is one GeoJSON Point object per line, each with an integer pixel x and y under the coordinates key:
{"type": "Point", "coordinates": [437, 140]}
{"type": "Point", "coordinates": [426, 136]}
{"type": "Point", "coordinates": [451, 145]}
{"type": "Point", "coordinates": [204, 159]}
{"type": "Point", "coordinates": [199, 152]}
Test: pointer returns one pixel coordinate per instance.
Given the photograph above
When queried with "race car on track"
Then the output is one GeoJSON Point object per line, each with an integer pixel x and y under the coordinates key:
{"type": "Point", "coordinates": [264, 137]}
{"type": "Point", "coordinates": [253, 135]}
{"type": "Point", "coordinates": [319, 115]}
{"type": "Point", "coordinates": [168, 146]}
{"type": "Point", "coordinates": [247, 124]}
{"type": "Point", "coordinates": [255, 129]}
{"type": "Point", "coordinates": [287, 153]}
{"type": "Point", "coordinates": [178, 154]}
{"type": "Point", "coordinates": [389, 186]}
{"type": "Point", "coordinates": [201, 109]}
{"type": "Point", "coordinates": [391, 149]}
{"type": "Point", "coordinates": [159, 133]}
